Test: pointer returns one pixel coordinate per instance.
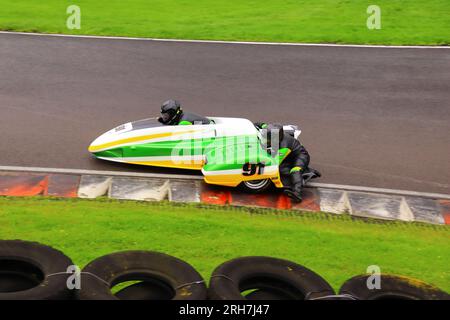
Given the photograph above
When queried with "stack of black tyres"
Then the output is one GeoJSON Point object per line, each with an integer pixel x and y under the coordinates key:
{"type": "Point", "coordinates": [31, 271]}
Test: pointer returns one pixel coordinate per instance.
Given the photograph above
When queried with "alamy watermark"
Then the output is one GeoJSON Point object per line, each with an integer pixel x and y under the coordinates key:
{"type": "Point", "coordinates": [229, 150]}
{"type": "Point", "coordinates": [74, 273]}
{"type": "Point", "coordinates": [374, 20]}
{"type": "Point", "coordinates": [73, 22]}
{"type": "Point", "coordinates": [74, 280]}
{"type": "Point", "coordinates": [374, 280]}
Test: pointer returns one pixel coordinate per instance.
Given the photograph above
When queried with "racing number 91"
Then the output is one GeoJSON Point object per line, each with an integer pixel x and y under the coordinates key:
{"type": "Point", "coordinates": [249, 169]}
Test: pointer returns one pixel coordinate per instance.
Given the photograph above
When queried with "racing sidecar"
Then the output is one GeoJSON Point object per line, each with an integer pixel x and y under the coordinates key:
{"type": "Point", "coordinates": [228, 151]}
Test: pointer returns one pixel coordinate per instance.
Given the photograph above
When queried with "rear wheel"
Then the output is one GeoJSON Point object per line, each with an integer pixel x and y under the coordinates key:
{"type": "Point", "coordinates": [256, 186]}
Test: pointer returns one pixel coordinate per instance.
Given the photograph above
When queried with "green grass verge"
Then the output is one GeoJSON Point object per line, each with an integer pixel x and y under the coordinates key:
{"type": "Point", "coordinates": [403, 22]}
{"type": "Point", "coordinates": [336, 247]}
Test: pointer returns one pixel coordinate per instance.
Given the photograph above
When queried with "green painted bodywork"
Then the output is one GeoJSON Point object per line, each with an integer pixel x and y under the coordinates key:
{"type": "Point", "coordinates": [222, 153]}
{"type": "Point", "coordinates": [185, 123]}
{"type": "Point", "coordinates": [235, 157]}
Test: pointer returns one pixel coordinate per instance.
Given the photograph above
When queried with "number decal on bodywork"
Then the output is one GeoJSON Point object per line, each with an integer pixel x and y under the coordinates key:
{"type": "Point", "coordinates": [249, 169]}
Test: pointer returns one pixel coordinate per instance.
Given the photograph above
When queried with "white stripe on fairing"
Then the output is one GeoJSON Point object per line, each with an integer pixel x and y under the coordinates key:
{"type": "Point", "coordinates": [267, 170]}
{"type": "Point", "coordinates": [174, 159]}
{"type": "Point", "coordinates": [111, 159]}
{"type": "Point", "coordinates": [224, 42]}
{"type": "Point", "coordinates": [164, 158]}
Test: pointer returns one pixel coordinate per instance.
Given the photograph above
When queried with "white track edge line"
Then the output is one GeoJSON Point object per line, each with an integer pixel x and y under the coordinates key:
{"type": "Point", "coordinates": [225, 42]}
{"type": "Point", "coordinates": [100, 172]}
{"type": "Point", "coordinates": [193, 177]}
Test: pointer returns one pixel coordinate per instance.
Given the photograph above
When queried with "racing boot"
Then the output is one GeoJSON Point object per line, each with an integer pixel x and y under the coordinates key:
{"type": "Point", "coordinates": [295, 192]}
{"type": "Point", "coordinates": [317, 173]}
{"type": "Point", "coordinates": [310, 174]}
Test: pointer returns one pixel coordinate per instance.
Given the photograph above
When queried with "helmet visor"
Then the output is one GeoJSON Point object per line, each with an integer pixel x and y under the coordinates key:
{"type": "Point", "coordinates": [165, 116]}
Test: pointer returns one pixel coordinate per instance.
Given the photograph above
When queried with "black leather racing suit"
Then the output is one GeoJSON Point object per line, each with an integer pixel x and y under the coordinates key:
{"type": "Point", "coordinates": [295, 163]}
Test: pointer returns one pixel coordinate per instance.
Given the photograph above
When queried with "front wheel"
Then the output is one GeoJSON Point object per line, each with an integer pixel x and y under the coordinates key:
{"type": "Point", "coordinates": [255, 186]}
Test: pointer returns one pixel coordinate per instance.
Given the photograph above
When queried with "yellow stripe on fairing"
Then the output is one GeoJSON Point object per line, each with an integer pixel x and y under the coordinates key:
{"type": "Point", "coordinates": [137, 139]}
{"type": "Point", "coordinates": [188, 164]}
{"type": "Point", "coordinates": [232, 180]}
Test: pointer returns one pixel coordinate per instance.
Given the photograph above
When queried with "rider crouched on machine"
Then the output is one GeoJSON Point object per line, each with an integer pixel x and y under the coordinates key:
{"type": "Point", "coordinates": [294, 164]}
{"type": "Point", "coordinates": [172, 114]}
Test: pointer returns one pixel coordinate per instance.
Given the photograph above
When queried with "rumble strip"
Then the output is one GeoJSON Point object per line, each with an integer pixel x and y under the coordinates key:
{"type": "Point", "coordinates": [391, 205]}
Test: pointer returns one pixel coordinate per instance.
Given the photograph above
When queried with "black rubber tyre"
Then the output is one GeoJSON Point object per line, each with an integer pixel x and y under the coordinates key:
{"type": "Point", "coordinates": [100, 275]}
{"type": "Point", "coordinates": [266, 294]}
{"type": "Point", "coordinates": [336, 297]}
{"type": "Point", "coordinates": [392, 288]}
{"type": "Point", "coordinates": [32, 271]}
{"type": "Point", "coordinates": [146, 290]}
{"type": "Point", "coordinates": [256, 186]}
{"type": "Point", "coordinates": [288, 279]}
{"type": "Point", "coordinates": [11, 282]}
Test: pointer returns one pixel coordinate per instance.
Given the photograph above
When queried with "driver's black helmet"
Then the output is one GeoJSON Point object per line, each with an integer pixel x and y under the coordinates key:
{"type": "Point", "coordinates": [171, 112]}
{"type": "Point", "coordinates": [273, 135]}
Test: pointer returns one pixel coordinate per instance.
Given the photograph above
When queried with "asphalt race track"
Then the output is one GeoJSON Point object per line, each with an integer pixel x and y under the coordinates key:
{"type": "Point", "coordinates": [376, 117]}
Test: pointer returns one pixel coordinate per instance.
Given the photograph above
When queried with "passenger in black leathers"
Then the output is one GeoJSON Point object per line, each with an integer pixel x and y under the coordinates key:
{"type": "Point", "coordinates": [294, 164]}
{"type": "Point", "coordinates": [172, 114]}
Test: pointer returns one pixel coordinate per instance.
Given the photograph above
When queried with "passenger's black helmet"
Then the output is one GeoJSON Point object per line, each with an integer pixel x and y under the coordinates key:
{"type": "Point", "coordinates": [171, 112]}
{"type": "Point", "coordinates": [273, 134]}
